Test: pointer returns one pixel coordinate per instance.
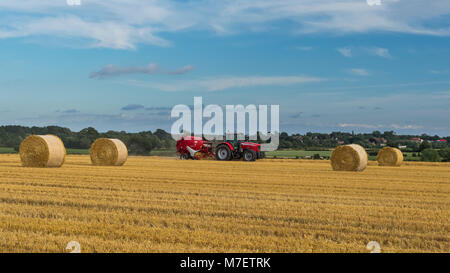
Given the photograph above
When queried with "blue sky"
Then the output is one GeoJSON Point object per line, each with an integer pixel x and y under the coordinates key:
{"type": "Point", "coordinates": [330, 65]}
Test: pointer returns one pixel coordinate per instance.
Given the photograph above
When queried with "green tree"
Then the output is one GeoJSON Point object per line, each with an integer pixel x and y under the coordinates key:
{"type": "Point", "coordinates": [90, 133]}
{"type": "Point", "coordinates": [430, 155]}
{"type": "Point", "coordinates": [445, 154]}
{"type": "Point", "coordinates": [393, 144]}
{"type": "Point", "coordinates": [139, 145]}
{"type": "Point", "coordinates": [425, 145]}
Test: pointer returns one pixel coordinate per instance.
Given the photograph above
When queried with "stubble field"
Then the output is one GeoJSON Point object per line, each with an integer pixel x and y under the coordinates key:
{"type": "Point", "coordinates": [166, 205]}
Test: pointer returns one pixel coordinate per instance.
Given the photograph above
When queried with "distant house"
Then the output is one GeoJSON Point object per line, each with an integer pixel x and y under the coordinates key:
{"type": "Point", "coordinates": [442, 141]}
{"type": "Point", "coordinates": [378, 141]}
{"type": "Point", "coordinates": [402, 147]}
{"type": "Point", "coordinates": [417, 139]}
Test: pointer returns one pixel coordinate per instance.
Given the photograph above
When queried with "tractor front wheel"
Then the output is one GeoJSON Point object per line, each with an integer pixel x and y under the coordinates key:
{"type": "Point", "coordinates": [223, 153]}
{"type": "Point", "coordinates": [262, 155]}
{"type": "Point", "coordinates": [249, 155]}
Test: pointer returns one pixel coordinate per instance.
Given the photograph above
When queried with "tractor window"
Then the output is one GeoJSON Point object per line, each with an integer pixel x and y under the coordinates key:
{"type": "Point", "coordinates": [236, 144]}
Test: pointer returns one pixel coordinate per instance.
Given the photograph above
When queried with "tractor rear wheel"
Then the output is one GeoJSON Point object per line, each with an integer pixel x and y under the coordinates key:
{"type": "Point", "coordinates": [184, 156]}
{"type": "Point", "coordinates": [249, 155]}
{"type": "Point", "coordinates": [223, 153]}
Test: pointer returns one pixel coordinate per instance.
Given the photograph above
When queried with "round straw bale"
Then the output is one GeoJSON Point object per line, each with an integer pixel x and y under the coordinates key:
{"type": "Point", "coordinates": [389, 156]}
{"type": "Point", "coordinates": [108, 152]}
{"type": "Point", "coordinates": [351, 157]}
{"type": "Point", "coordinates": [42, 151]}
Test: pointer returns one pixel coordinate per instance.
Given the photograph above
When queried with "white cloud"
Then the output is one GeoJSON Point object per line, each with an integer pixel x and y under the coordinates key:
{"type": "Point", "coordinates": [359, 125]}
{"type": "Point", "coordinates": [441, 95]}
{"type": "Point", "coordinates": [359, 72]}
{"type": "Point", "coordinates": [380, 52]}
{"type": "Point", "coordinates": [440, 72]}
{"type": "Point", "coordinates": [112, 70]}
{"type": "Point", "coordinates": [107, 34]}
{"type": "Point", "coordinates": [377, 126]}
{"type": "Point", "coordinates": [376, 51]}
{"type": "Point", "coordinates": [227, 82]}
{"type": "Point", "coordinates": [304, 48]}
{"type": "Point", "coordinates": [125, 24]}
{"type": "Point", "coordinates": [346, 52]}
{"type": "Point", "coordinates": [406, 127]}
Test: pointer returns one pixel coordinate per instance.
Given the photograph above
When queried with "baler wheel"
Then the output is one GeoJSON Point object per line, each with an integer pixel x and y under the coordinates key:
{"type": "Point", "coordinates": [185, 156]}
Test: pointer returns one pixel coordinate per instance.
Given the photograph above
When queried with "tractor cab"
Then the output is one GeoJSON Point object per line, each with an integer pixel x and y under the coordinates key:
{"type": "Point", "coordinates": [236, 144]}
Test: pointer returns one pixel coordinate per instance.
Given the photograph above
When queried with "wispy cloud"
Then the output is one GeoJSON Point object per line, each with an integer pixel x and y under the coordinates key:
{"type": "Point", "coordinates": [68, 111]}
{"type": "Point", "coordinates": [227, 82]}
{"type": "Point", "coordinates": [380, 52]}
{"type": "Point", "coordinates": [406, 127]}
{"type": "Point", "coordinates": [162, 108]}
{"type": "Point", "coordinates": [378, 126]}
{"type": "Point", "coordinates": [125, 24]}
{"type": "Point", "coordinates": [131, 107]}
{"type": "Point", "coordinates": [296, 115]}
{"type": "Point", "coordinates": [304, 48]}
{"type": "Point", "coordinates": [128, 121]}
{"type": "Point", "coordinates": [345, 51]}
{"type": "Point", "coordinates": [112, 70]}
{"type": "Point", "coordinates": [180, 71]}
{"type": "Point", "coordinates": [107, 34]}
{"type": "Point", "coordinates": [360, 50]}
{"type": "Point", "coordinates": [359, 72]}
{"type": "Point", "coordinates": [359, 125]}
{"type": "Point", "coordinates": [441, 95]}
{"type": "Point", "coordinates": [440, 72]}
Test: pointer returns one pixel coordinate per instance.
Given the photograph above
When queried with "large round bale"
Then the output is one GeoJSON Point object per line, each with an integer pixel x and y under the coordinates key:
{"type": "Point", "coordinates": [108, 152]}
{"type": "Point", "coordinates": [389, 156]}
{"type": "Point", "coordinates": [351, 157]}
{"type": "Point", "coordinates": [42, 151]}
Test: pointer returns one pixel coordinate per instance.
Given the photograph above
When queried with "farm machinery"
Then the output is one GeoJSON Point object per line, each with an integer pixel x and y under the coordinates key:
{"type": "Point", "coordinates": [191, 147]}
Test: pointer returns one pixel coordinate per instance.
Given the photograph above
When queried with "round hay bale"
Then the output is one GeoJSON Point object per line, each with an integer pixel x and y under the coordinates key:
{"type": "Point", "coordinates": [351, 157]}
{"type": "Point", "coordinates": [42, 151]}
{"type": "Point", "coordinates": [108, 152]}
{"type": "Point", "coordinates": [389, 156]}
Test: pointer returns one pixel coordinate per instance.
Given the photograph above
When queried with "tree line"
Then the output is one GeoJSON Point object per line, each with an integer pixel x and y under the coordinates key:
{"type": "Point", "coordinates": [137, 143]}
{"type": "Point", "coordinates": [143, 142]}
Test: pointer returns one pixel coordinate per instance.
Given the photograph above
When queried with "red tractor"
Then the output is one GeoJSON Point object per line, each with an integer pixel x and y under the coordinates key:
{"type": "Point", "coordinates": [238, 149]}
{"type": "Point", "coordinates": [190, 147]}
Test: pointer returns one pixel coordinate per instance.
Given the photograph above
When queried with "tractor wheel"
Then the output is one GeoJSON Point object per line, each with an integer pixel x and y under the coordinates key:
{"type": "Point", "coordinates": [185, 156]}
{"type": "Point", "coordinates": [223, 153]}
{"type": "Point", "coordinates": [262, 155]}
{"type": "Point", "coordinates": [249, 155]}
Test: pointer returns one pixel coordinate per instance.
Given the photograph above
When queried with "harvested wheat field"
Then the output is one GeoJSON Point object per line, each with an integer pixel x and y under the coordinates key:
{"type": "Point", "coordinates": [156, 204]}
